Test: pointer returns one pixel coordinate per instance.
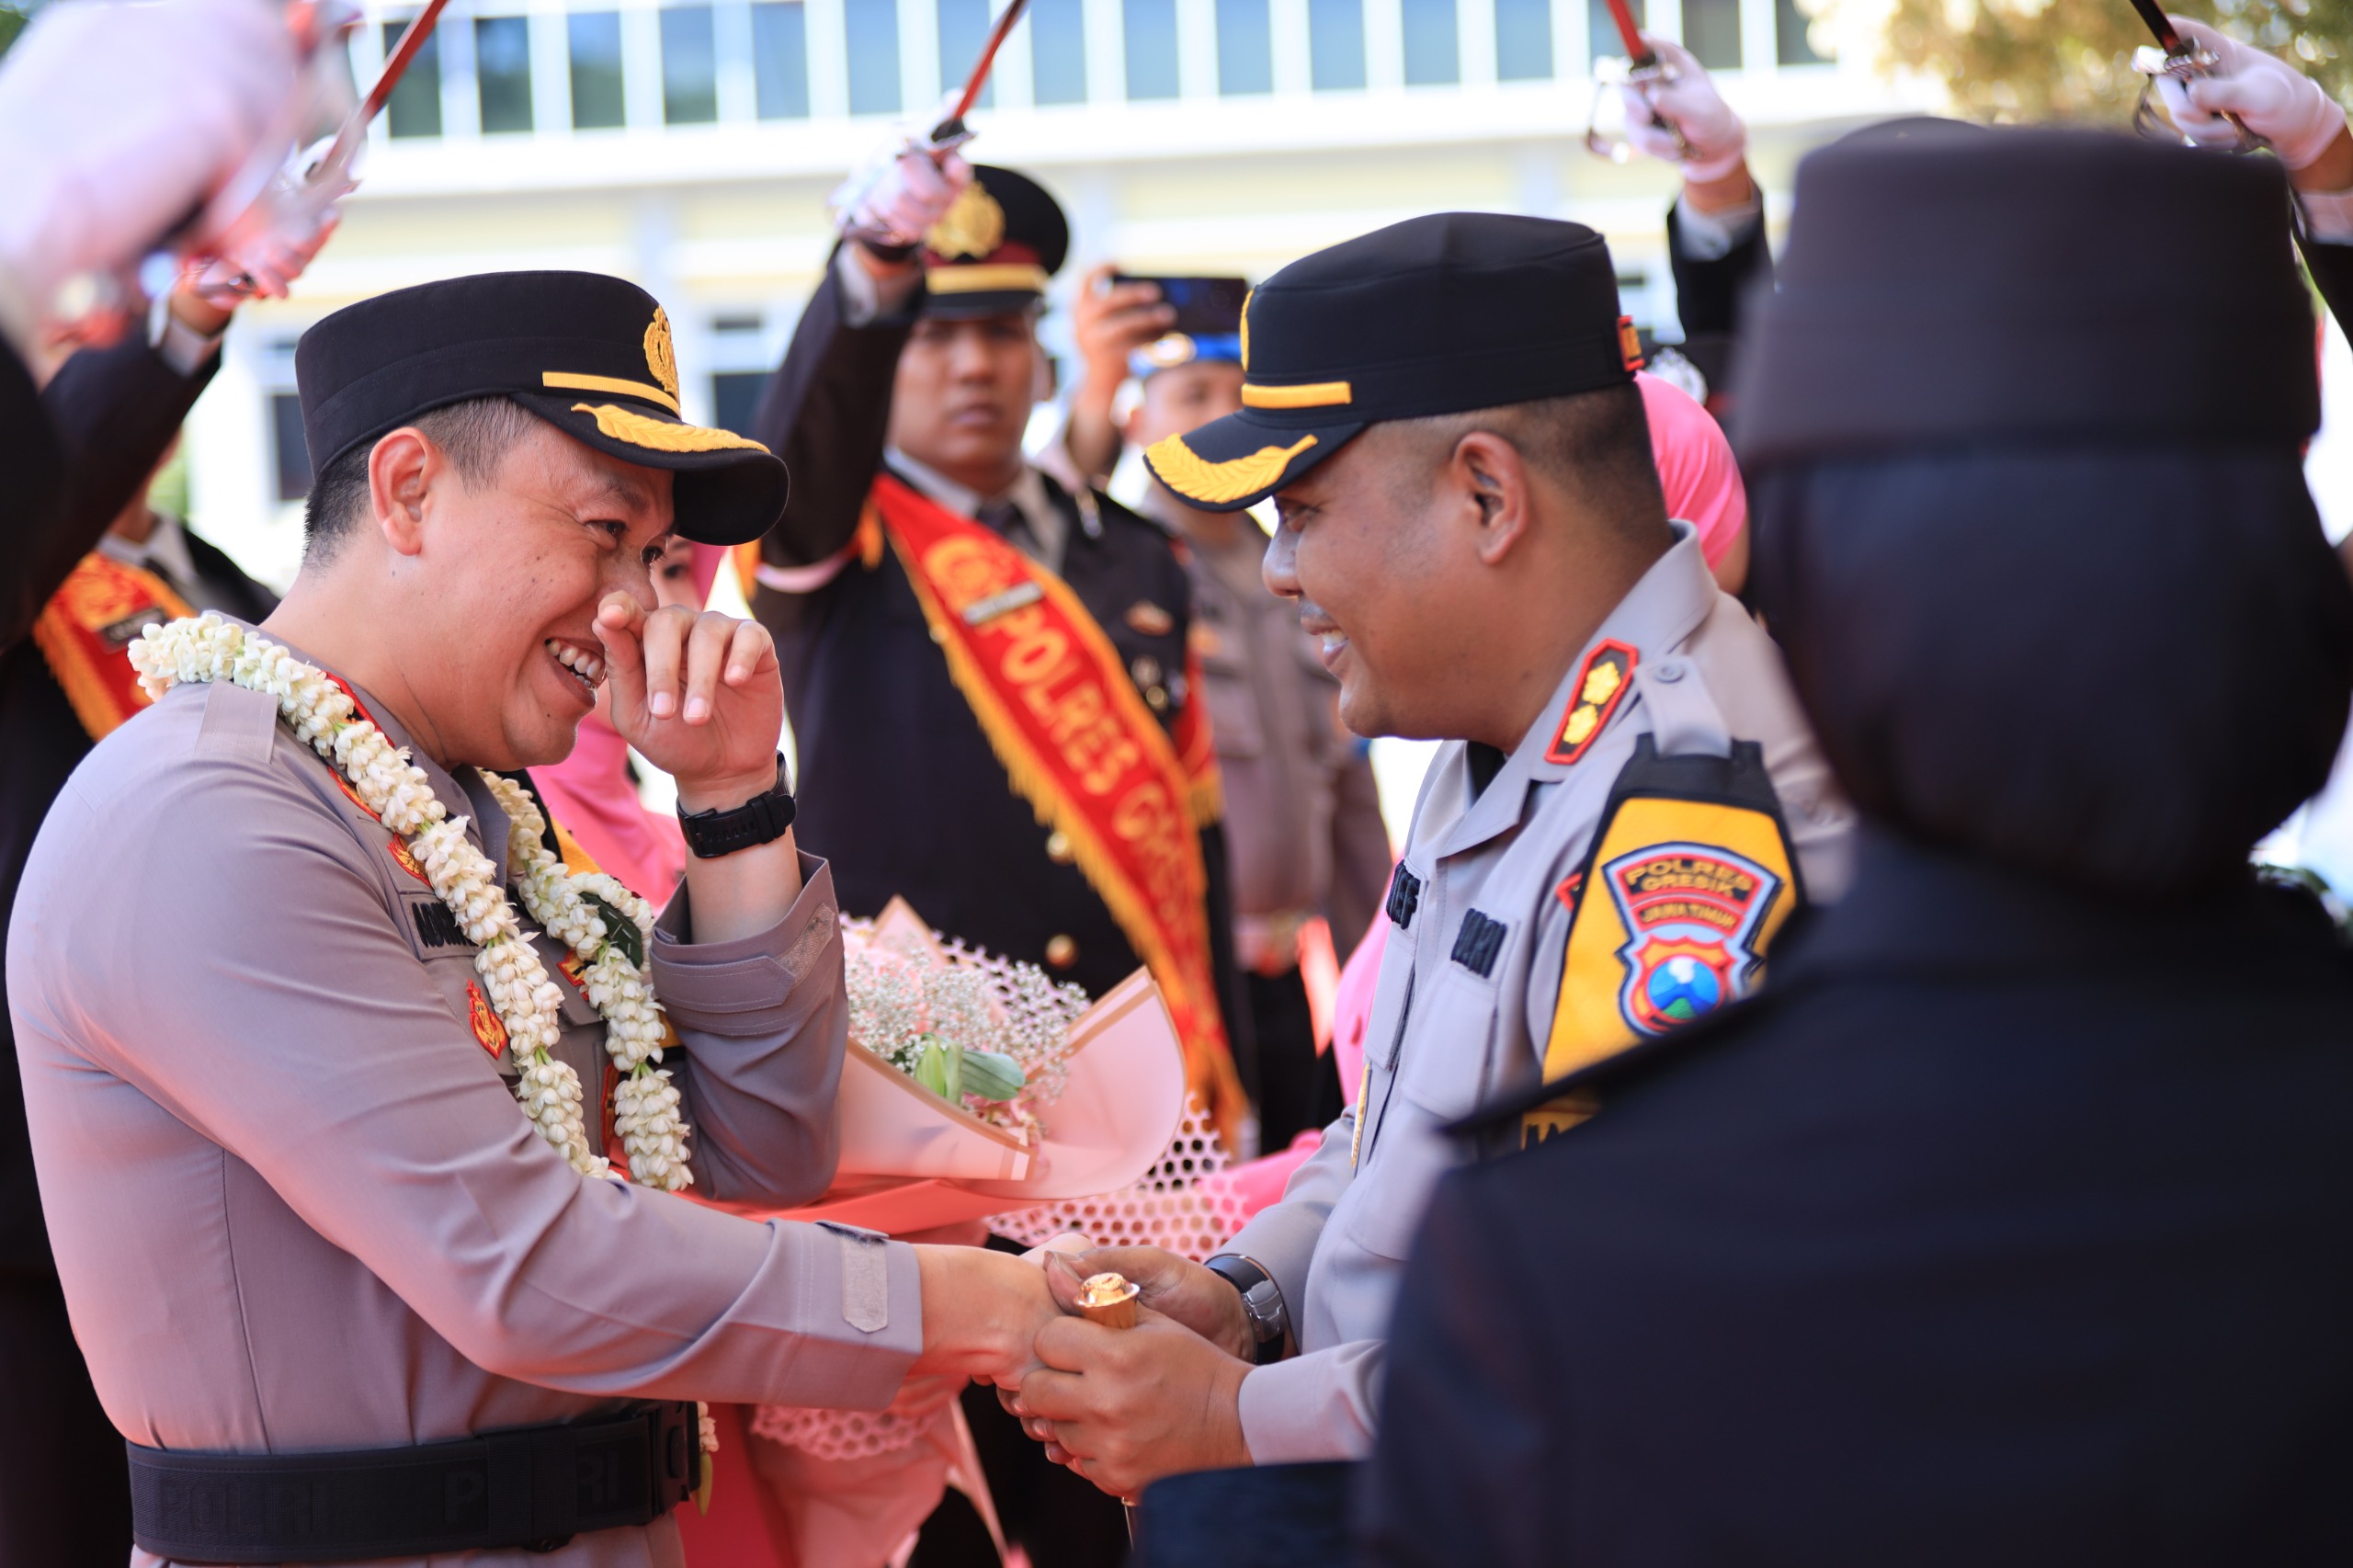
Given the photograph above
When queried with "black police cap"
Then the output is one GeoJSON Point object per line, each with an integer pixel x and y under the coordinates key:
{"type": "Point", "coordinates": [1441, 314]}
{"type": "Point", "coordinates": [1946, 285]}
{"type": "Point", "coordinates": [590, 354]}
{"type": "Point", "coordinates": [996, 249]}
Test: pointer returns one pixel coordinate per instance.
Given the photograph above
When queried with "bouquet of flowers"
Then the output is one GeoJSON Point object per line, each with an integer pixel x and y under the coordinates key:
{"type": "Point", "coordinates": [982, 1032]}
{"type": "Point", "coordinates": [974, 1085]}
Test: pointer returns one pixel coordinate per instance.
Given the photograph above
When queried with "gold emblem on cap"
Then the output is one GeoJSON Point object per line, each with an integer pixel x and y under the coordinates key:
{"type": "Point", "coordinates": [1245, 329]}
{"type": "Point", "coordinates": [661, 357]}
{"type": "Point", "coordinates": [619, 424]}
{"type": "Point", "coordinates": [973, 226]}
{"type": "Point", "coordinates": [1196, 478]}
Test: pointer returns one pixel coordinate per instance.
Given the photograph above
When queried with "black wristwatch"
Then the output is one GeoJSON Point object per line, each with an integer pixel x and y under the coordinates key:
{"type": "Point", "coordinates": [760, 820]}
{"type": "Point", "coordinates": [1262, 1305]}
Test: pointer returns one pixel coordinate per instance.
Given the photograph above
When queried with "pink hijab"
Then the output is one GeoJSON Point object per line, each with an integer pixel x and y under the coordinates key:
{"type": "Point", "coordinates": [1695, 466]}
{"type": "Point", "coordinates": [591, 794]}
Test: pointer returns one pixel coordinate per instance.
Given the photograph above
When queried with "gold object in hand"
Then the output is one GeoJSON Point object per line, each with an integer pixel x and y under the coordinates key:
{"type": "Point", "coordinates": [1110, 1300]}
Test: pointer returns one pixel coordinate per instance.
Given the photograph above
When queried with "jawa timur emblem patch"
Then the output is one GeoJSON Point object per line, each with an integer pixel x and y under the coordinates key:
{"type": "Point", "coordinates": [1692, 914]}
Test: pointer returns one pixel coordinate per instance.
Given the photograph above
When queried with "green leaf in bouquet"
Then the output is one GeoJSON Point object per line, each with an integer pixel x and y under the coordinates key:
{"type": "Point", "coordinates": [992, 1076]}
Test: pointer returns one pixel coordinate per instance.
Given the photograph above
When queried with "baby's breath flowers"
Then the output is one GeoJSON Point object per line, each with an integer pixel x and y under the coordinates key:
{"type": "Point", "coordinates": [605, 924]}
{"type": "Point", "coordinates": [977, 1030]}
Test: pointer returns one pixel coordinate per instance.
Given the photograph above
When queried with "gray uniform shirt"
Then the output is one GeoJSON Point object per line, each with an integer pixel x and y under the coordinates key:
{"type": "Point", "coordinates": [294, 1203]}
{"type": "Point", "coordinates": [1442, 1038]}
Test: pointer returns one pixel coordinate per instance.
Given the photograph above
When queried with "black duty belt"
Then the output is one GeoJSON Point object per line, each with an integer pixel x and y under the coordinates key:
{"type": "Point", "coordinates": [532, 1488]}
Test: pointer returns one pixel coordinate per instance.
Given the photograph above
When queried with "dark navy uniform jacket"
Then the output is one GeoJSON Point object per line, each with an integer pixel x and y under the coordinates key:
{"type": "Point", "coordinates": [898, 785]}
{"type": "Point", "coordinates": [112, 412]}
{"type": "Point", "coordinates": [2010, 1225]}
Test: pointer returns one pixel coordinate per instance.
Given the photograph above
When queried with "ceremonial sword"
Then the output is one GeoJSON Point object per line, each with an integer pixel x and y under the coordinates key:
{"type": "Point", "coordinates": [953, 131]}
{"type": "Point", "coordinates": [2180, 59]}
{"type": "Point", "coordinates": [324, 182]}
{"type": "Point", "coordinates": [950, 133]}
{"type": "Point", "coordinates": [1642, 68]}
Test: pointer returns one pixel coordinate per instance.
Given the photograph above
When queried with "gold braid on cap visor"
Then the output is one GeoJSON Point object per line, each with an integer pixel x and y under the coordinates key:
{"type": "Point", "coordinates": [1195, 477]}
{"type": "Point", "coordinates": [660, 434]}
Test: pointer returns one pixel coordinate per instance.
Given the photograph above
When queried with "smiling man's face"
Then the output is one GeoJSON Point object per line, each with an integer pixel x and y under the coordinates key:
{"type": "Point", "coordinates": [1383, 585]}
{"type": "Point", "coordinates": [511, 575]}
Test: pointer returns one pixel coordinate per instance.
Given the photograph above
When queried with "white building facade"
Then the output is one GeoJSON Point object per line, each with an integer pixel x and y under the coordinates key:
{"type": "Point", "coordinates": [690, 146]}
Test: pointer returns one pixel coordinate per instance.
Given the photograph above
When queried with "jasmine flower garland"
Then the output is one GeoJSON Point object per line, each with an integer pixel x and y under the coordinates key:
{"type": "Point", "coordinates": [605, 924]}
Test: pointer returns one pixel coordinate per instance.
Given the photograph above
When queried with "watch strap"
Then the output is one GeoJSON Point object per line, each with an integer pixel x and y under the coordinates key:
{"type": "Point", "coordinates": [1263, 1306]}
{"type": "Point", "coordinates": [763, 819]}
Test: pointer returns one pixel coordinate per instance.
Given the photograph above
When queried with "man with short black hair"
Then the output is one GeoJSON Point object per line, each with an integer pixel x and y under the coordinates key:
{"type": "Point", "coordinates": [329, 1139]}
{"type": "Point", "coordinates": [2007, 1225]}
{"type": "Point", "coordinates": [1628, 808]}
{"type": "Point", "coordinates": [987, 801]}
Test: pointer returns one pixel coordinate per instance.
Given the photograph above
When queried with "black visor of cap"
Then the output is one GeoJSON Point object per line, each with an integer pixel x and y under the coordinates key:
{"type": "Point", "coordinates": [590, 354]}
{"type": "Point", "coordinates": [1442, 314]}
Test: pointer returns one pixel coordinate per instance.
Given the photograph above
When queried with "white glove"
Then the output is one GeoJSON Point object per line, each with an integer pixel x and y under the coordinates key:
{"type": "Point", "coordinates": [2274, 100]}
{"type": "Point", "coordinates": [895, 197]}
{"type": "Point", "coordinates": [119, 119]}
{"type": "Point", "coordinates": [1715, 138]}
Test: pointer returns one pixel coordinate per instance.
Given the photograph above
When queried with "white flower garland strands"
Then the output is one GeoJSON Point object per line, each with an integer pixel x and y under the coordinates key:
{"type": "Point", "coordinates": [605, 926]}
{"type": "Point", "coordinates": [581, 912]}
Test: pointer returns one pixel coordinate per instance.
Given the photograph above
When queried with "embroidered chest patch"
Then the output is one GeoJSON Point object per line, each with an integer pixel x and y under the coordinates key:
{"type": "Point", "coordinates": [488, 1030]}
{"type": "Point", "coordinates": [1692, 914]}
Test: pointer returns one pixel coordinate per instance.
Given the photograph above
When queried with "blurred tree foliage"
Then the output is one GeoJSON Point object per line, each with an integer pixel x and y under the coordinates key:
{"type": "Point", "coordinates": [2044, 60]}
{"type": "Point", "coordinates": [12, 22]}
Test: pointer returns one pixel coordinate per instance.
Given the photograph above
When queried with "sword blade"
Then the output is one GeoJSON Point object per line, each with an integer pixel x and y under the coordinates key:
{"type": "Point", "coordinates": [1639, 54]}
{"type": "Point", "coordinates": [2159, 24]}
{"type": "Point", "coordinates": [954, 124]}
{"type": "Point", "coordinates": [354, 129]}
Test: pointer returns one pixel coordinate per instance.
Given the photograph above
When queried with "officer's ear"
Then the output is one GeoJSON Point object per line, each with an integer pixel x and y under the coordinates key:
{"type": "Point", "coordinates": [401, 471]}
{"type": "Point", "coordinates": [1489, 474]}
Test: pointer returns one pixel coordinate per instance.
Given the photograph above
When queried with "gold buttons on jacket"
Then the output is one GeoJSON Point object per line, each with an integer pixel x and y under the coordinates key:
{"type": "Point", "coordinates": [1058, 848]}
{"type": "Point", "coordinates": [1061, 951]}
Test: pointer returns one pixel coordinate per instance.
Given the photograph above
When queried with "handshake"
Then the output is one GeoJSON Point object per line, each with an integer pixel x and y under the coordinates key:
{"type": "Point", "coordinates": [1123, 1407]}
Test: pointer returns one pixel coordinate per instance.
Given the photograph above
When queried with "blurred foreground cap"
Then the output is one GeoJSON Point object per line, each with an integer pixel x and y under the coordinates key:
{"type": "Point", "coordinates": [1947, 284]}
{"type": "Point", "coordinates": [1441, 314]}
{"type": "Point", "coordinates": [590, 354]}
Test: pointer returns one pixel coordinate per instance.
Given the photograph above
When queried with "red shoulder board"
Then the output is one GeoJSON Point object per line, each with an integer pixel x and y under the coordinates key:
{"type": "Point", "coordinates": [1600, 688]}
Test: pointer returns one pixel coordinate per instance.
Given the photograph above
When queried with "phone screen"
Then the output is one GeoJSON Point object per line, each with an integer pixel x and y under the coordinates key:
{"type": "Point", "coordinates": [1206, 307]}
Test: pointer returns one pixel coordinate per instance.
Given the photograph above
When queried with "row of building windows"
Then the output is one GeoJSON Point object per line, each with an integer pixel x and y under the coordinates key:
{"type": "Point", "coordinates": [778, 43]}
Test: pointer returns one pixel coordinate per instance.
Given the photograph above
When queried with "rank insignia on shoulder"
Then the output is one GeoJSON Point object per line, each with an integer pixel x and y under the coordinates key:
{"type": "Point", "coordinates": [1148, 619]}
{"type": "Point", "coordinates": [1600, 688]}
{"type": "Point", "coordinates": [488, 1029]}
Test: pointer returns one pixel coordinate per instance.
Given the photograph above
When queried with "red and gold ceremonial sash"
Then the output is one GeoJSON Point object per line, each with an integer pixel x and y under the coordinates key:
{"type": "Point", "coordinates": [1079, 745]}
{"type": "Point", "coordinates": [85, 632]}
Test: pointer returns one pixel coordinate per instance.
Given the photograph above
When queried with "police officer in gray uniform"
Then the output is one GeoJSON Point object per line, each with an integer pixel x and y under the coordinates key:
{"type": "Point", "coordinates": [1629, 808]}
{"type": "Point", "coordinates": [342, 1297]}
